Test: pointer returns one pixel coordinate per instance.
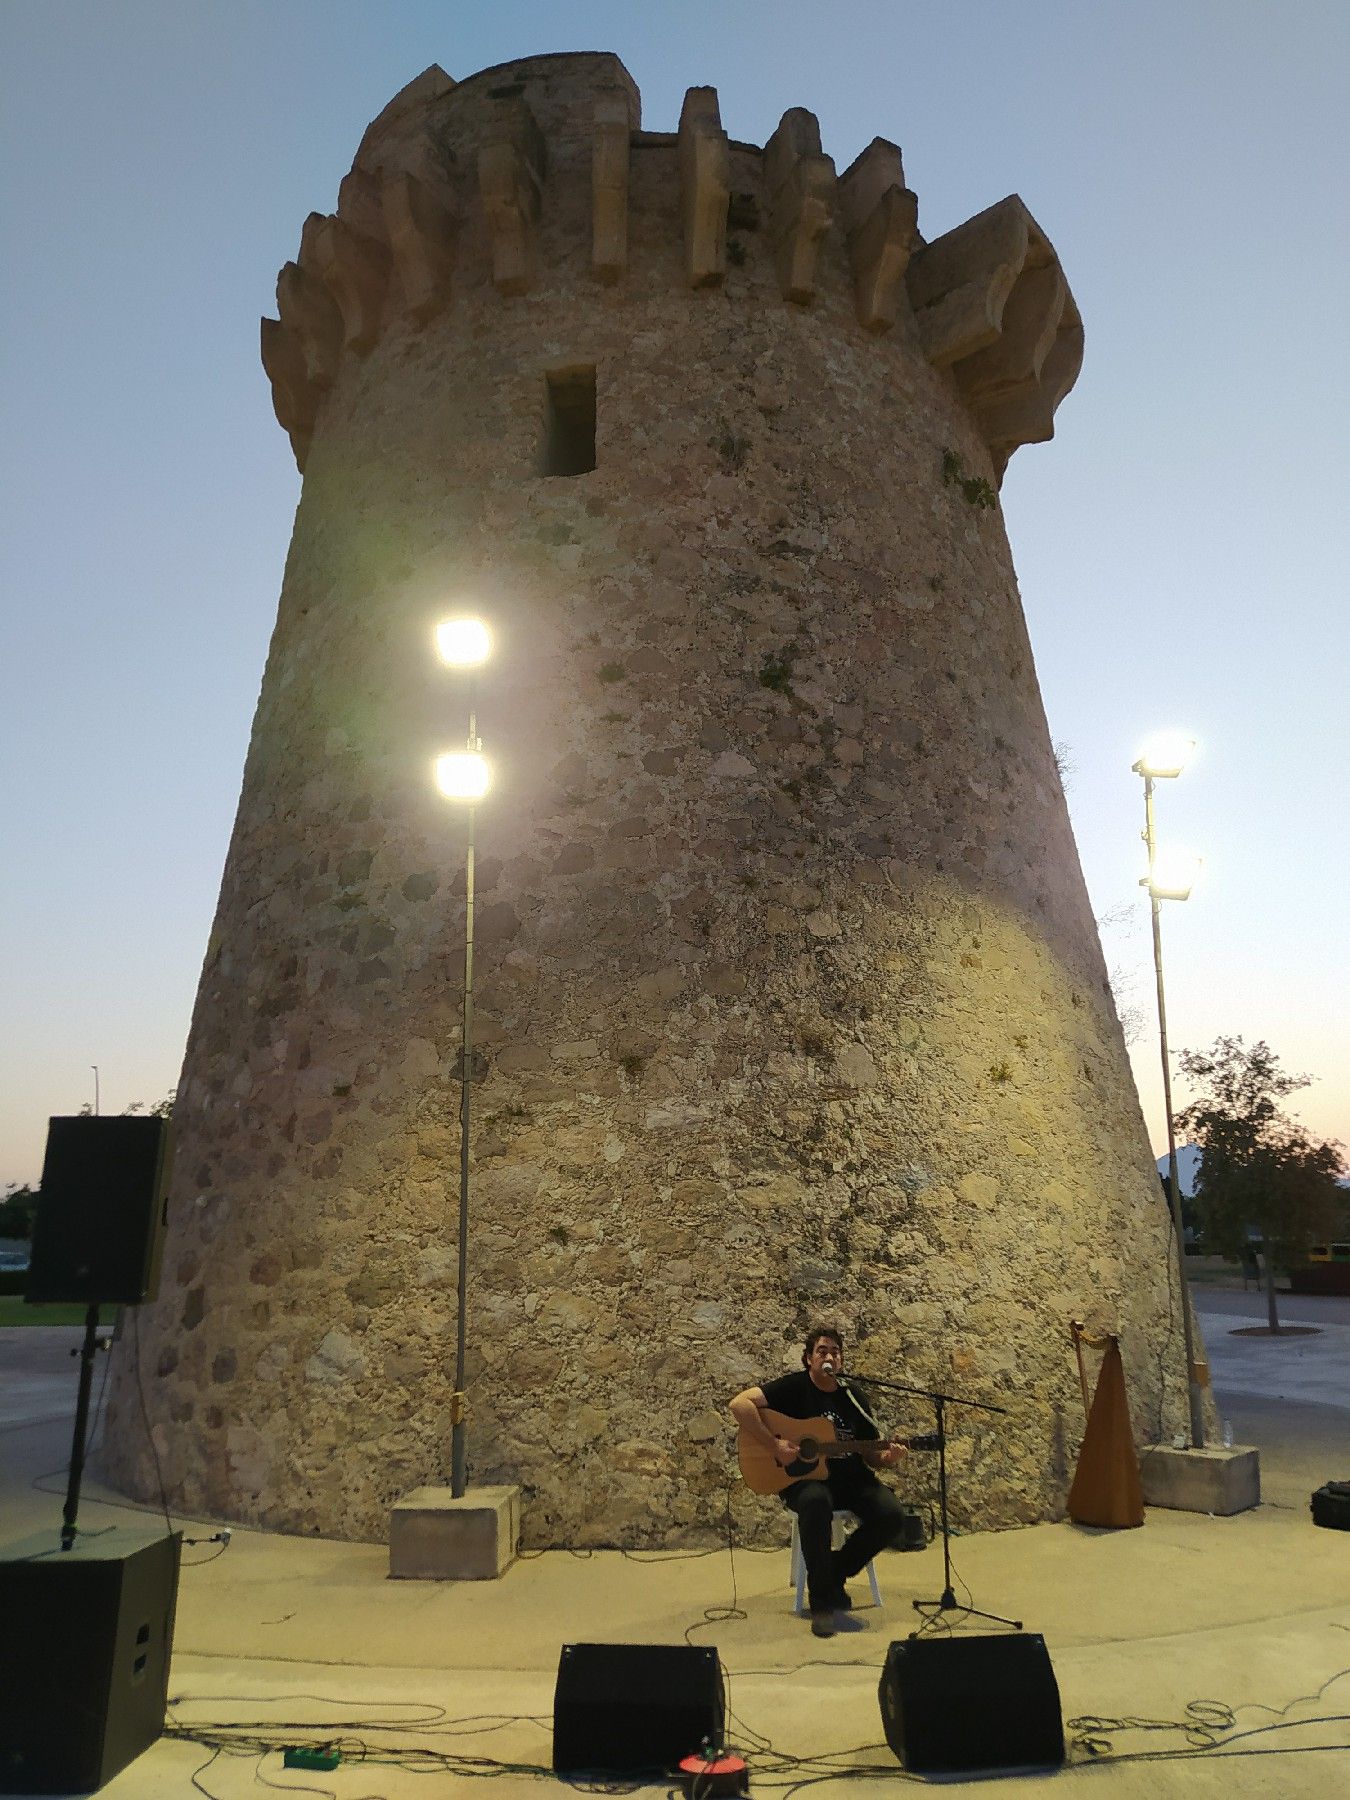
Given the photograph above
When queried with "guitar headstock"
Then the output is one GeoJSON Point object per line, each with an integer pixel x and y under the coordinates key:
{"type": "Point", "coordinates": [928, 1440]}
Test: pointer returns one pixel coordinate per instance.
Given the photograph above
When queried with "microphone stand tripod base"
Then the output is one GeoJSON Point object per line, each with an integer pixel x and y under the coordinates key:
{"type": "Point", "coordinates": [932, 1610]}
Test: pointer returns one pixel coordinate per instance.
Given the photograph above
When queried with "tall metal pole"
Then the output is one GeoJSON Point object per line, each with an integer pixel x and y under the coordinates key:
{"type": "Point", "coordinates": [458, 1404]}
{"type": "Point", "coordinates": [1173, 1178]}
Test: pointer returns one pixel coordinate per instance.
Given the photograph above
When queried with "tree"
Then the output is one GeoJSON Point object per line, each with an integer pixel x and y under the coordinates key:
{"type": "Point", "coordinates": [1260, 1170]}
{"type": "Point", "coordinates": [17, 1211]}
{"type": "Point", "coordinates": [162, 1109]}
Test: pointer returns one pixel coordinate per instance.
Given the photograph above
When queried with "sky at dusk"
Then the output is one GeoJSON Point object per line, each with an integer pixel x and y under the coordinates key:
{"type": "Point", "coordinates": [1181, 546]}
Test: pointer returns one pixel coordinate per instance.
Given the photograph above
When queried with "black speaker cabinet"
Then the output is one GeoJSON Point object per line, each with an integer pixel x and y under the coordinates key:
{"type": "Point", "coordinates": [622, 1709]}
{"type": "Point", "coordinates": [954, 1705]}
{"type": "Point", "coordinates": [100, 1217]}
{"type": "Point", "coordinates": [84, 1656]}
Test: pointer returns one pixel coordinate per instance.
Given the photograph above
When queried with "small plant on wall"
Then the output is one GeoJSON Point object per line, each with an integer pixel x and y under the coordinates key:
{"type": "Point", "coordinates": [975, 490]}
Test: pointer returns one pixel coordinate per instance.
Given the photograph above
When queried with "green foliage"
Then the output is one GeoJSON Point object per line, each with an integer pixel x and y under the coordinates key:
{"type": "Point", "coordinates": [162, 1109]}
{"type": "Point", "coordinates": [17, 1211]}
{"type": "Point", "coordinates": [1260, 1170]}
{"type": "Point", "coordinates": [975, 490]}
{"type": "Point", "coordinates": [732, 451]}
{"type": "Point", "coordinates": [16, 1311]}
{"type": "Point", "coordinates": [775, 672]}
{"type": "Point", "coordinates": [815, 1041]}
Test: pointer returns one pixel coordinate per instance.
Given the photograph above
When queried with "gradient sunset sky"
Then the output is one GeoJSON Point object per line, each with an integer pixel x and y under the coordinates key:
{"type": "Point", "coordinates": [1181, 546]}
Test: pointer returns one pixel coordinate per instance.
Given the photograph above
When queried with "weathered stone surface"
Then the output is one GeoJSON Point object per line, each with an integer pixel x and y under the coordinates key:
{"type": "Point", "coordinates": [354, 268]}
{"type": "Point", "coordinates": [511, 178]}
{"type": "Point", "coordinates": [789, 993]}
{"type": "Point", "coordinates": [295, 397]}
{"type": "Point", "coordinates": [800, 185]}
{"type": "Point", "coordinates": [1221, 1481]}
{"type": "Point", "coordinates": [881, 217]}
{"type": "Point", "coordinates": [435, 1537]}
{"type": "Point", "coordinates": [991, 303]}
{"type": "Point", "coordinates": [609, 185]}
{"type": "Point", "coordinates": [422, 237]}
{"type": "Point", "coordinates": [705, 184]}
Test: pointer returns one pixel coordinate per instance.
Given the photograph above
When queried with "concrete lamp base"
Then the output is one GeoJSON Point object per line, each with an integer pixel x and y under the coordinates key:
{"type": "Point", "coordinates": [1222, 1481]}
{"type": "Point", "coordinates": [434, 1537]}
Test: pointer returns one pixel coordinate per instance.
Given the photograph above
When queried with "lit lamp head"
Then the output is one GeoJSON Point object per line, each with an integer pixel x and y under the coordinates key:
{"type": "Point", "coordinates": [462, 775]}
{"type": "Point", "coordinates": [1175, 873]}
{"type": "Point", "coordinates": [463, 643]}
{"type": "Point", "coordinates": [1165, 755]}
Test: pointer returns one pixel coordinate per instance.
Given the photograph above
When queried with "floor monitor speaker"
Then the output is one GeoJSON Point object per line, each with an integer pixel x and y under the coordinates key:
{"type": "Point", "coordinates": [627, 1708]}
{"type": "Point", "coordinates": [955, 1705]}
{"type": "Point", "coordinates": [84, 1656]}
{"type": "Point", "coordinates": [100, 1216]}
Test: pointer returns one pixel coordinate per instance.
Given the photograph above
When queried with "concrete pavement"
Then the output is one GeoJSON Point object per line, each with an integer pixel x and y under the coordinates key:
{"type": "Point", "coordinates": [1251, 1612]}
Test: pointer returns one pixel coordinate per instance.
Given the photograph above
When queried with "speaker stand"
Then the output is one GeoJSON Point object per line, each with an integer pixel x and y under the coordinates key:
{"type": "Point", "coordinates": [87, 1355]}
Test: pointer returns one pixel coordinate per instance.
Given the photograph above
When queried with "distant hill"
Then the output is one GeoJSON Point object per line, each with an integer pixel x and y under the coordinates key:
{"type": "Point", "coordinates": [1188, 1164]}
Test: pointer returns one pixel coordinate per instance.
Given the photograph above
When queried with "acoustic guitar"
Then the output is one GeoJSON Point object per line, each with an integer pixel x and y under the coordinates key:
{"type": "Point", "coordinates": [816, 1443]}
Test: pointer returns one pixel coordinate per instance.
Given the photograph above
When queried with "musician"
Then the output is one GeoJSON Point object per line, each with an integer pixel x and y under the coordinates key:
{"type": "Point", "coordinates": [818, 1393]}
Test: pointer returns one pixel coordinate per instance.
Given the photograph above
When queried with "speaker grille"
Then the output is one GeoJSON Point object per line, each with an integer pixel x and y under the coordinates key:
{"type": "Point", "coordinates": [100, 1216]}
{"type": "Point", "coordinates": [950, 1705]}
{"type": "Point", "coordinates": [629, 1708]}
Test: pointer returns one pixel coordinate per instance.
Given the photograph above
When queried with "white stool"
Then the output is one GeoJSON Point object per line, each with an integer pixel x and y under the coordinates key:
{"type": "Point", "coordinates": [842, 1520]}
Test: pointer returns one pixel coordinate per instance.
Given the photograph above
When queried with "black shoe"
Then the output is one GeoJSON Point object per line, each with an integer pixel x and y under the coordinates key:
{"type": "Point", "coordinates": [822, 1624]}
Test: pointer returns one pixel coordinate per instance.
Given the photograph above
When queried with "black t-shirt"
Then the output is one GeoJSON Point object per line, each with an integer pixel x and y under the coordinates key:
{"type": "Point", "coordinates": [798, 1397]}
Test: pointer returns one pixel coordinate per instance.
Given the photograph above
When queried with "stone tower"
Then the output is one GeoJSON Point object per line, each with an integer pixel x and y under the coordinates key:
{"type": "Point", "coordinates": [790, 1001]}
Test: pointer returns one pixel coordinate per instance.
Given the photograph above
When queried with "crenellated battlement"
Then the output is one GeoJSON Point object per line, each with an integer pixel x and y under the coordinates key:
{"type": "Point", "coordinates": [455, 187]}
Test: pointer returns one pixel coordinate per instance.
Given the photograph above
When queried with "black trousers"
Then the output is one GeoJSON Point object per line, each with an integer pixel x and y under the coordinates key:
{"type": "Point", "coordinates": [880, 1523]}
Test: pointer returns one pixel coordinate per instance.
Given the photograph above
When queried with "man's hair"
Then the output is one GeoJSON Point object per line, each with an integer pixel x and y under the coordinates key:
{"type": "Point", "coordinates": [814, 1336]}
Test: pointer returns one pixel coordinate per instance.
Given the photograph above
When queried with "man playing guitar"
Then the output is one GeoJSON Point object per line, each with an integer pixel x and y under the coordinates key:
{"type": "Point", "coordinates": [849, 1483]}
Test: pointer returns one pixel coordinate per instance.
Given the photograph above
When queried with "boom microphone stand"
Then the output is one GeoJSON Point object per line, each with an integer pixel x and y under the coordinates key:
{"type": "Point", "coordinates": [932, 1610]}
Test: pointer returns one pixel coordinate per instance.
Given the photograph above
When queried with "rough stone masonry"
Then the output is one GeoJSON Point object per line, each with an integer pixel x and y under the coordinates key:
{"type": "Point", "coordinates": [790, 1002]}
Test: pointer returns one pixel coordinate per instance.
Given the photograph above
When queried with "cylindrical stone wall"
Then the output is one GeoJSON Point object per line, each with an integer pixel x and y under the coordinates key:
{"type": "Point", "coordinates": [790, 1003]}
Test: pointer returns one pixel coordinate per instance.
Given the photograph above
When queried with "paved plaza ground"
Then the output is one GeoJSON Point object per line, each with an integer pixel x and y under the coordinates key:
{"type": "Point", "coordinates": [308, 1637]}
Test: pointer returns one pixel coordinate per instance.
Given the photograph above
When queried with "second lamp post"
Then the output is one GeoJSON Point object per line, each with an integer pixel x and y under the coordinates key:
{"type": "Point", "coordinates": [1163, 759]}
{"type": "Point", "coordinates": [462, 776]}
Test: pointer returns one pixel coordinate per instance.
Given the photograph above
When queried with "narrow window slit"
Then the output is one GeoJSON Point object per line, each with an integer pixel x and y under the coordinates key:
{"type": "Point", "coordinates": [569, 421]}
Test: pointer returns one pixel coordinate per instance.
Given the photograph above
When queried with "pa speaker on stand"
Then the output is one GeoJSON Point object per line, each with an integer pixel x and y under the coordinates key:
{"type": "Point", "coordinates": [100, 1219]}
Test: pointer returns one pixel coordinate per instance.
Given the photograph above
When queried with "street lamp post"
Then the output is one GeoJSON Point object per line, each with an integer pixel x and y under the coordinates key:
{"type": "Point", "coordinates": [462, 776]}
{"type": "Point", "coordinates": [1163, 759]}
